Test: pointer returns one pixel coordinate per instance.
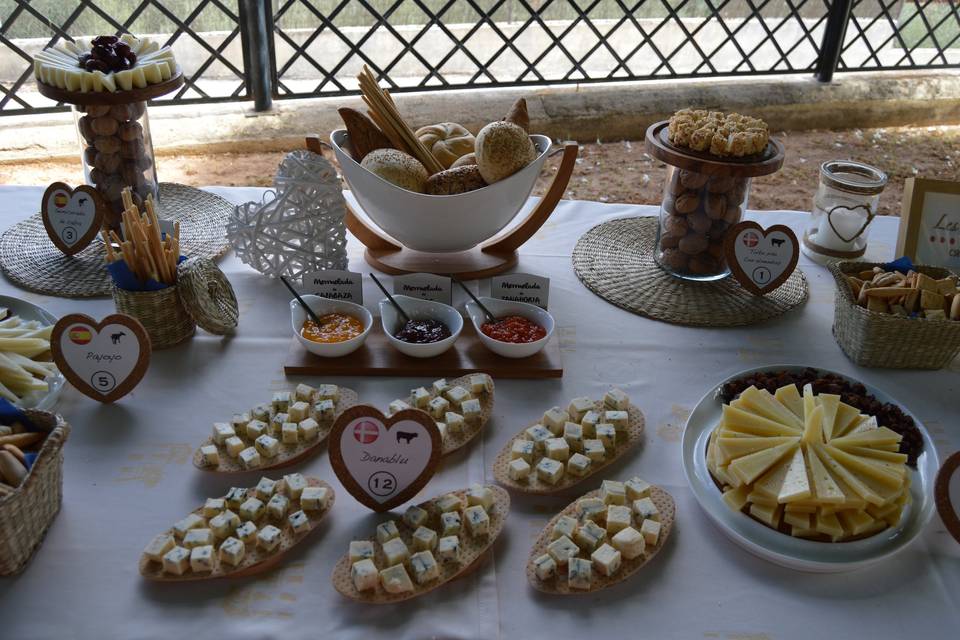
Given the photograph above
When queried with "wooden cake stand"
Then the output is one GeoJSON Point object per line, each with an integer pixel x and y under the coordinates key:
{"type": "Point", "coordinates": [486, 259]}
{"type": "Point", "coordinates": [115, 97]}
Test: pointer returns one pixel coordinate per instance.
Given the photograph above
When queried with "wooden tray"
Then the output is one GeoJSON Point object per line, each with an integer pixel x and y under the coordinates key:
{"type": "Point", "coordinates": [454, 441]}
{"type": "Point", "coordinates": [659, 146]}
{"type": "Point", "coordinates": [377, 357]}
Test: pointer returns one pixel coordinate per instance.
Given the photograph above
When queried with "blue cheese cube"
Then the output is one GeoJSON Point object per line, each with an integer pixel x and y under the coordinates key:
{"type": "Point", "coordinates": [192, 521]}
{"type": "Point", "coordinates": [235, 497]}
{"type": "Point", "coordinates": [618, 518]}
{"type": "Point", "coordinates": [607, 434]}
{"type": "Point", "coordinates": [438, 408]}
{"type": "Point", "coordinates": [268, 446]}
{"type": "Point", "coordinates": [448, 502]}
{"type": "Point", "coordinates": [579, 407]}
{"type": "Point", "coordinates": [234, 446]}
{"type": "Point", "coordinates": [251, 509]}
{"type": "Point", "coordinates": [579, 573]}
{"type": "Point", "coordinates": [361, 550]}
{"type": "Point", "coordinates": [308, 430]}
{"type": "Point", "coordinates": [538, 435]}
{"type": "Point", "coordinates": [281, 401]}
{"type": "Point", "coordinates": [545, 567]}
{"type": "Point", "coordinates": [262, 412]}
{"type": "Point", "coordinates": [650, 530]}
{"type": "Point", "coordinates": [176, 561]}
{"type": "Point", "coordinates": [276, 423]}
{"type": "Point", "coordinates": [415, 517]}
{"type": "Point", "coordinates": [424, 539]}
{"type": "Point", "coordinates": [247, 532]}
{"type": "Point", "coordinates": [554, 419]}
{"type": "Point", "coordinates": [606, 560]}
{"type": "Point", "coordinates": [222, 431]}
{"type": "Point", "coordinates": [265, 488]}
{"type": "Point", "coordinates": [424, 567]}
{"type": "Point", "coordinates": [562, 550]}
{"type": "Point", "coordinates": [232, 551]}
{"type": "Point", "coordinates": [294, 484]}
{"type": "Point", "coordinates": [303, 393]}
{"type": "Point", "coordinates": [223, 525]}
{"type": "Point", "coordinates": [619, 419]}
{"type": "Point", "coordinates": [395, 551]}
{"type": "Point", "coordinates": [478, 522]}
{"type": "Point", "coordinates": [450, 524]}
{"type": "Point", "coordinates": [396, 406]}
{"type": "Point", "coordinates": [277, 507]}
{"type": "Point", "coordinates": [616, 400]}
{"type": "Point", "coordinates": [256, 428]}
{"type": "Point", "coordinates": [629, 542]}
{"type": "Point", "coordinates": [480, 383]}
{"type": "Point", "coordinates": [158, 547]}
{"type": "Point", "coordinates": [479, 494]}
{"type": "Point", "coordinates": [518, 470]}
{"type": "Point", "coordinates": [645, 509]}
{"type": "Point", "coordinates": [589, 536]}
{"type": "Point", "coordinates": [239, 422]}
{"type": "Point", "coordinates": [299, 411]}
{"type": "Point", "coordinates": [328, 392]}
{"type": "Point", "coordinates": [564, 526]}
{"type": "Point", "coordinates": [197, 538]}
{"type": "Point", "coordinates": [471, 410]}
{"type": "Point", "coordinates": [250, 458]}
{"type": "Point", "coordinates": [268, 538]}
{"type": "Point", "coordinates": [454, 421]}
{"type": "Point", "coordinates": [290, 432]}
{"type": "Point", "coordinates": [578, 465]}
{"type": "Point", "coordinates": [324, 411]}
{"type": "Point", "coordinates": [557, 449]}
{"type": "Point", "coordinates": [589, 423]}
{"type": "Point", "coordinates": [395, 579]}
{"type": "Point", "coordinates": [201, 559]}
{"type": "Point", "coordinates": [314, 498]}
{"type": "Point", "coordinates": [522, 450]}
{"type": "Point", "coordinates": [549, 470]}
{"type": "Point", "coordinates": [420, 397]}
{"type": "Point", "coordinates": [214, 506]}
{"type": "Point", "coordinates": [613, 492]}
{"type": "Point", "coordinates": [299, 522]}
{"type": "Point", "coordinates": [387, 531]}
{"type": "Point", "coordinates": [439, 386]}
{"type": "Point", "coordinates": [594, 450]}
{"type": "Point", "coordinates": [573, 434]}
{"type": "Point", "coordinates": [456, 395]}
{"type": "Point", "coordinates": [593, 509]}
{"type": "Point", "coordinates": [364, 574]}
{"type": "Point", "coordinates": [448, 549]}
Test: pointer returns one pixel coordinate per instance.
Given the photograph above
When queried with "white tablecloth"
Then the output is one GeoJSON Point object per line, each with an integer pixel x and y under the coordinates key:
{"type": "Point", "coordinates": [129, 476]}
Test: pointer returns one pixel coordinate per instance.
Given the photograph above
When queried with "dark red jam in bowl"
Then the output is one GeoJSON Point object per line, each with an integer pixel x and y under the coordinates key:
{"type": "Point", "coordinates": [423, 331]}
{"type": "Point", "coordinates": [514, 329]}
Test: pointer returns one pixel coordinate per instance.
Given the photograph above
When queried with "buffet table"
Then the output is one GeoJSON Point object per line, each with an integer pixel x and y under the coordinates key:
{"type": "Point", "coordinates": [128, 475]}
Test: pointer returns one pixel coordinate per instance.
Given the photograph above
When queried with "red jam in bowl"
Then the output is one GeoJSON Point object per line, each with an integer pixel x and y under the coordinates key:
{"type": "Point", "coordinates": [515, 329]}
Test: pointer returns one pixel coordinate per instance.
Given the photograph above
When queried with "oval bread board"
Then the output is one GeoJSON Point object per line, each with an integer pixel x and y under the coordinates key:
{"type": "Point", "coordinates": [288, 454]}
{"type": "Point", "coordinates": [625, 440]}
{"type": "Point", "coordinates": [471, 551]}
{"type": "Point", "coordinates": [255, 559]}
{"type": "Point", "coordinates": [454, 441]}
{"type": "Point", "coordinates": [558, 584]}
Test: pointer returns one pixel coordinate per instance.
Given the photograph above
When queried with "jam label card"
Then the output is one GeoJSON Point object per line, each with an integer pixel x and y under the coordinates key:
{"type": "Point", "coordinates": [424, 285]}
{"type": "Point", "coordinates": [335, 285]}
{"type": "Point", "coordinates": [761, 259]}
{"type": "Point", "coordinates": [383, 462]}
{"type": "Point", "coordinates": [104, 360]}
{"type": "Point", "coordinates": [72, 217]}
{"type": "Point", "coordinates": [521, 287]}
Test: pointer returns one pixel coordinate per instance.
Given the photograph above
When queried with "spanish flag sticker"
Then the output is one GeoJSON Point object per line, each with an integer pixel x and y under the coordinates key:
{"type": "Point", "coordinates": [80, 334]}
{"type": "Point", "coordinates": [61, 200]}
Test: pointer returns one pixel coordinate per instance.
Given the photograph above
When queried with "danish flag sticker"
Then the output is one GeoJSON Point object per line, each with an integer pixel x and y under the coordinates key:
{"type": "Point", "coordinates": [366, 432]}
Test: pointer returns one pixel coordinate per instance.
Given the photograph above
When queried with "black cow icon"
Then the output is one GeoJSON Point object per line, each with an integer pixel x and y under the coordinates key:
{"type": "Point", "coordinates": [115, 337]}
{"type": "Point", "coordinates": [81, 201]}
{"type": "Point", "coordinates": [406, 435]}
{"type": "Point", "coordinates": [777, 242]}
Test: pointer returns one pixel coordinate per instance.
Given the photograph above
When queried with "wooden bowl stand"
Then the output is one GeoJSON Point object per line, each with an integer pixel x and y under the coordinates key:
{"type": "Point", "coordinates": [487, 259]}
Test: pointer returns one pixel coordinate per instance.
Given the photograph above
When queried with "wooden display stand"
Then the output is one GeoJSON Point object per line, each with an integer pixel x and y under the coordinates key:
{"type": "Point", "coordinates": [494, 256]}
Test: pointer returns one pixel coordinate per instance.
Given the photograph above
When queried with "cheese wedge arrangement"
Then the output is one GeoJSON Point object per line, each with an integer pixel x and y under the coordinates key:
{"type": "Point", "coordinates": [242, 533]}
{"type": "Point", "coordinates": [808, 465]}
{"type": "Point", "coordinates": [568, 445]}
{"type": "Point", "coordinates": [274, 434]}
{"type": "Point", "coordinates": [602, 538]}
{"type": "Point", "coordinates": [60, 66]}
{"type": "Point", "coordinates": [429, 545]}
{"type": "Point", "coordinates": [461, 407]}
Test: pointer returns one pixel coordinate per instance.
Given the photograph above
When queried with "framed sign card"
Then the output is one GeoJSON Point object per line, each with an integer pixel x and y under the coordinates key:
{"type": "Point", "coordinates": [930, 223]}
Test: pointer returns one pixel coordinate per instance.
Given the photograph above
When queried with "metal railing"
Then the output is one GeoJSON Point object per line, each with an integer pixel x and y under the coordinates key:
{"type": "Point", "coordinates": [263, 50]}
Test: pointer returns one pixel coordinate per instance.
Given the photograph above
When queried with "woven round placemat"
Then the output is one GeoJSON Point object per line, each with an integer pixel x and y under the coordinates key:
{"type": "Point", "coordinates": [615, 261]}
{"type": "Point", "coordinates": [31, 261]}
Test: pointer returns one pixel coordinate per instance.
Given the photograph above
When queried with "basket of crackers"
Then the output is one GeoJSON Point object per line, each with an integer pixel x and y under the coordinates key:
{"type": "Point", "coordinates": [897, 315]}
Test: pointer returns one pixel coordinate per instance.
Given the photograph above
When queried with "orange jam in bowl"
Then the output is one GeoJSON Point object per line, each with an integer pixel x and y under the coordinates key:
{"type": "Point", "coordinates": [333, 327]}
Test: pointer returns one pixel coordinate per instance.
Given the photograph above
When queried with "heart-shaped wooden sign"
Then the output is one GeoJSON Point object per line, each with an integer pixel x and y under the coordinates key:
{"type": "Point", "coordinates": [381, 461]}
{"type": "Point", "coordinates": [72, 217]}
{"type": "Point", "coordinates": [104, 360]}
{"type": "Point", "coordinates": [761, 259]}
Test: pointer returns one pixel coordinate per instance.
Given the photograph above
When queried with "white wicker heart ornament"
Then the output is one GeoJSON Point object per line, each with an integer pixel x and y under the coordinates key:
{"type": "Point", "coordinates": [297, 228]}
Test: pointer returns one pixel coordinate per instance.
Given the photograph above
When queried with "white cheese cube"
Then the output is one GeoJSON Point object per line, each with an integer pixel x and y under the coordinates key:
{"type": "Point", "coordinates": [395, 551]}
{"type": "Point", "coordinates": [439, 386]}
{"type": "Point", "coordinates": [579, 573]}
{"type": "Point", "coordinates": [619, 419]}
{"type": "Point", "coordinates": [456, 395]}
{"type": "Point", "coordinates": [197, 538]}
{"type": "Point", "coordinates": [324, 411]}
{"type": "Point", "coordinates": [232, 551]}
{"type": "Point", "coordinates": [250, 458]}
{"type": "Point", "coordinates": [277, 507]}
{"type": "Point", "coordinates": [251, 509]}
{"type": "Point", "coordinates": [578, 465]}
{"type": "Point", "coordinates": [562, 549]}
{"type": "Point", "coordinates": [538, 435]}
{"type": "Point", "coordinates": [438, 408]}
{"type": "Point", "coordinates": [518, 470]}
{"type": "Point", "coordinates": [454, 422]}
{"type": "Point", "coordinates": [564, 526]}
{"type": "Point", "coordinates": [607, 434]}
{"type": "Point", "coordinates": [549, 470]}
{"type": "Point", "coordinates": [158, 547]}
{"type": "Point", "coordinates": [239, 422]}
{"type": "Point", "coordinates": [448, 549]}
{"type": "Point", "coordinates": [480, 383]}
{"type": "Point", "coordinates": [276, 423]}
{"type": "Point", "coordinates": [650, 530]}
{"type": "Point", "coordinates": [589, 423]}
{"type": "Point", "coordinates": [578, 408]}
{"type": "Point", "coordinates": [478, 522]}
{"type": "Point", "coordinates": [591, 509]}
{"type": "Point", "coordinates": [606, 560]}
{"type": "Point", "coordinates": [481, 495]}
{"type": "Point", "coordinates": [629, 542]}
{"type": "Point", "coordinates": [235, 497]}
{"type": "Point", "coordinates": [268, 538]}
{"type": "Point", "coordinates": [364, 574]}
{"type": "Point", "coordinates": [261, 412]}
{"type": "Point", "coordinates": [328, 392]}
{"type": "Point", "coordinates": [618, 518]}
{"type": "Point", "coordinates": [573, 434]}
{"type": "Point", "coordinates": [281, 401]}
{"type": "Point", "coordinates": [395, 579]}
{"type": "Point", "coordinates": [361, 550]}
{"type": "Point", "coordinates": [415, 517]}
{"type": "Point", "coordinates": [314, 498]}
{"type": "Point", "coordinates": [557, 449]}
{"type": "Point", "coordinates": [303, 393]}
{"type": "Point", "coordinates": [308, 430]}
{"type": "Point", "coordinates": [554, 419]}
{"type": "Point", "coordinates": [594, 450]}
{"type": "Point", "coordinates": [290, 432]}
{"type": "Point", "coordinates": [645, 509]}
{"type": "Point", "coordinates": [387, 531]}
{"type": "Point", "coordinates": [222, 524]}
{"type": "Point", "coordinates": [213, 507]}
{"type": "Point", "coordinates": [201, 559]}
{"type": "Point", "coordinates": [294, 484]}
{"type": "Point", "coordinates": [265, 488]}
{"type": "Point", "coordinates": [522, 450]}
{"type": "Point", "coordinates": [450, 524]}
{"type": "Point", "coordinates": [616, 400]}
{"type": "Point", "coordinates": [298, 411]}
{"type": "Point", "coordinates": [268, 446]}
{"type": "Point", "coordinates": [299, 522]}
{"type": "Point", "coordinates": [449, 502]}
{"type": "Point", "coordinates": [613, 492]}
{"type": "Point", "coordinates": [442, 428]}
{"type": "Point", "coordinates": [256, 428]}
{"type": "Point", "coordinates": [176, 561]}
{"type": "Point", "coordinates": [420, 397]}
{"type": "Point", "coordinates": [424, 539]}
{"type": "Point", "coordinates": [247, 532]}
{"type": "Point", "coordinates": [471, 410]}
{"type": "Point", "coordinates": [544, 567]}
{"type": "Point", "coordinates": [192, 521]}
{"type": "Point", "coordinates": [222, 431]}
{"type": "Point", "coordinates": [424, 567]}
{"type": "Point", "coordinates": [589, 536]}
{"type": "Point", "coordinates": [234, 446]}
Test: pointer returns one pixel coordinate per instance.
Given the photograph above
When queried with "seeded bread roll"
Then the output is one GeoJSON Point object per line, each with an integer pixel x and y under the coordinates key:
{"type": "Point", "coordinates": [455, 180]}
{"type": "Point", "coordinates": [503, 148]}
{"type": "Point", "coordinates": [396, 167]}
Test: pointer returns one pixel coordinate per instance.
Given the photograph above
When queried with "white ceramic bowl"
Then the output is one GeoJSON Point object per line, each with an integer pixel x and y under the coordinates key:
{"type": "Point", "coordinates": [438, 224]}
{"type": "Point", "coordinates": [501, 308]}
{"type": "Point", "coordinates": [323, 306]}
{"type": "Point", "coordinates": [785, 550]}
{"type": "Point", "coordinates": [419, 309]}
{"type": "Point", "coordinates": [42, 401]}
